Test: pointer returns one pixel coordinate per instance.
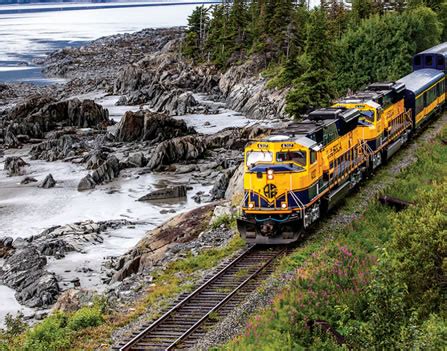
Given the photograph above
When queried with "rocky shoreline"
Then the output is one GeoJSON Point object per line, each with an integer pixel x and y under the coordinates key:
{"type": "Point", "coordinates": [147, 71]}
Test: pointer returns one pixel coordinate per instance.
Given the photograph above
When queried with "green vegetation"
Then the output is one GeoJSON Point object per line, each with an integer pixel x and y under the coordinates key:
{"type": "Point", "coordinates": [320, 53]}
{"type": "Point", "coordinates": [227, 220]}
{"type": "Point", "coordinates": [56, 332]}
{"type": "Point", "coordinates": [379, 282]}
{"type": "Point", "coordinates": [90, 328]}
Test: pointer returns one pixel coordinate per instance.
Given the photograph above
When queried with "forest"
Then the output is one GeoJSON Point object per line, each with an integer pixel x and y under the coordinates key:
{"type": "Point", "coordinates": [380, 283]}
{"type": "Point", "coordinates": [319, 54]}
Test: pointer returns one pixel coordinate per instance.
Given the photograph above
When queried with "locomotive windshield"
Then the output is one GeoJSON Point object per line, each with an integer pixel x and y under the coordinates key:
{"type": "Point", "coordinates": [294, 156]}
{"type": "Point", "coordinates": [254, 157]}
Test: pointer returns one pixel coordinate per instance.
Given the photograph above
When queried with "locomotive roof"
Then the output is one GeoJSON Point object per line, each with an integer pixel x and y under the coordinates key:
{"type": "Point", "coordinates": [311, 132]}
{"type": "Point", "coordinates": [374, 92]}
{"type": "Point", "coordinates": [420, 80]}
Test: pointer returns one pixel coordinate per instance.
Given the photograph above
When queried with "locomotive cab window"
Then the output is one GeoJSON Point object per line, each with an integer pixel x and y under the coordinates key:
{"type": "Point", "coordinates": [254, 157]}
{"type": "Point", "coordinates": [428, 60]}
{"type": "Point", "coordinates": [367, 116]}
{"type": "Point", "coordinates": [297, 156]}
{"type": "Point", "coordinates": [440, 61]}
{"type": "Point", "coordinates": [313, 157]}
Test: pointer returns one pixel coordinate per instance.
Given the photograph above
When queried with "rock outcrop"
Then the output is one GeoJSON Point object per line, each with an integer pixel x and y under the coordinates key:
{"type": "Point", "coordinates": [179, 149]}
{"type": "Point", "coordinates": [41, 114]}
{"type": "Point", "coordinates": [236, 184]}
{"type": "Point", "coordinates": [14, 166]}
{"type": "Point", "coordinates": [182, 228]}
{"type": "Point", "coordinates": [58, 148]}
{"type": "Point", "coordinates": [167, 193]}
{"type": "Point", "coordinates": [25, 260]}
{"type": "Point", "coordinates": [24, 271]}
{"type": "Point", "coordinates": [150, 126]}
{"type": "Point", "coordinates": [220, 186]}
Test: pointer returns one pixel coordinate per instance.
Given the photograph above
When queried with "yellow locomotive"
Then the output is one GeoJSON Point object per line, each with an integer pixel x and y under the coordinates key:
{"type": "Point", "coordinates": [292, 177]}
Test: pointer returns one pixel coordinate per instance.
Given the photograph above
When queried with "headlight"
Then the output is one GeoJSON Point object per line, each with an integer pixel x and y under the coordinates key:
{"type": "Point", "coordinates": [251, 205]}
{"type": "Point", "coordinates": [283, 205]}
{"type": "Point", "coordinates": [270, 174]}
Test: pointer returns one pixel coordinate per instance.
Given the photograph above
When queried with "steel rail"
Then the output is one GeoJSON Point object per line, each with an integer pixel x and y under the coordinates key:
{"type": "Point", "coordinates": [221, 303]}
{"type": "Point", "coordinates": [143, 333]}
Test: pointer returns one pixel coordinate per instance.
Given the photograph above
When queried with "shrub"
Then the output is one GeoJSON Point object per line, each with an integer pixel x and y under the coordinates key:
{"type": "Point", "coordinates": [48, 335]}
{"type": "Point", "coordinates": [85, 317]}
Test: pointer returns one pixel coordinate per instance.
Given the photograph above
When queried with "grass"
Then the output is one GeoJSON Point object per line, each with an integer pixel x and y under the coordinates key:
{"type": "Point", "coordinates": [90, 328]}
{"type": "Point", "coordinates": [335, 265]}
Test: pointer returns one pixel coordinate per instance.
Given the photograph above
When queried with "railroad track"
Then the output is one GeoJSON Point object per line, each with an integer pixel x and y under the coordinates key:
{"type": "Point", "coordinates": [190, 319]}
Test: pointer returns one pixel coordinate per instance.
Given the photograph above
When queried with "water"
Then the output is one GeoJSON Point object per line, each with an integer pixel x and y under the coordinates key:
{"type": "Point", "coordinates": [28, 36]}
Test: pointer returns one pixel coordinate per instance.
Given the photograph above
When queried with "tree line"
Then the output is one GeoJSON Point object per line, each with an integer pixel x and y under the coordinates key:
{"type": "Point", "coordinates": [319, 53]}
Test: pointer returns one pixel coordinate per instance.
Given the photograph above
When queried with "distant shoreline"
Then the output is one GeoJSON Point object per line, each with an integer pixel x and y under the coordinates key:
{"type": "Point", "coordinates": [88, 6]}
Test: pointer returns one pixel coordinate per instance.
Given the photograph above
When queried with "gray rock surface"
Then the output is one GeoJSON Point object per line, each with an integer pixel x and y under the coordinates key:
{"type": "Point", "coordinates": [24, 272]}
{"type": "Point", "coordinates": [167, 193]}
{"type": "Point", "coordinates": [86, 183]}
{"type": "Point", "coordinates": [14, 166]}
{"type": "Point", "coordinates": [41, 114]}
{"type": "Point", "coordinates": [48, 182]}
{"type": "Point", "coordinates": [150, 126]}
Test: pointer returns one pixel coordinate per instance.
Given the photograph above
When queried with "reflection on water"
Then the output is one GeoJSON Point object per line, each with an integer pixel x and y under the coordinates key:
{"type": "Point", "coordinates": [26, 36]}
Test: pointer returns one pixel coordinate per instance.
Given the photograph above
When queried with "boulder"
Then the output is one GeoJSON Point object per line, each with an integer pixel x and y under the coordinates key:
{"type": "Point", "coordinates": [48, 182]}
{"type": "Point", "coordinates": [14, 165]}
{"type": "Point", "coordinates": [131, 126]}
{"type": "Point", "coordinates": [168, 193]}
{"type": "Point", "coordinates": [72, 300]}
{"type": "Point", "coordinates": [153, 247]}
{"type": "Point", "coordinates": [108, 171]}
{"type": "Point", "coordinates": [86, 183]}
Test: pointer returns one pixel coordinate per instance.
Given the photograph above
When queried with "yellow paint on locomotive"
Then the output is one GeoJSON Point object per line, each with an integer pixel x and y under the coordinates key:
{"type": "Point", "coordinates": [284, 181]}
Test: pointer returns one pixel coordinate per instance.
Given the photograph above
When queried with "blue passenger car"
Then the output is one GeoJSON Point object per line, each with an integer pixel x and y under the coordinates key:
{"type": "Point", "coordinates": [435, 57]}
{"type": "Point", "coordinates": [424, 93]}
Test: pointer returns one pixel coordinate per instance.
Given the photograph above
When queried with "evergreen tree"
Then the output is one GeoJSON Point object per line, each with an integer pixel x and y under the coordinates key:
{"type": "Point", "coordinates": [380, 48]}
{"type": "Point", "coordinates": [198, 24]}
{"type": "Point", "coordinates": [362, 9]}
{"type": "Point", "coordinates": [238, 22]}
{"type": "Point", "coordinates": [442, 17]}
{"type": "Point", "coordinates": [314, 88]}
{"type": "Point", "coordinates": [217, 40]}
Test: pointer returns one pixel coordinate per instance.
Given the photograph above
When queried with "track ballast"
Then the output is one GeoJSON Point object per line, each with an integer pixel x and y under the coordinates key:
{"type": "Point", "coordinates": [189, 320]}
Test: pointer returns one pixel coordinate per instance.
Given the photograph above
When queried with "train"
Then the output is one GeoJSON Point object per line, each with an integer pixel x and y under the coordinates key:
{"type": "Point", "coordinates": [295, 175]}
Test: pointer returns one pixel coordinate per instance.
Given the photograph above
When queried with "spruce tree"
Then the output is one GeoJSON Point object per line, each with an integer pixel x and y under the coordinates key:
{"type": "Point", "coordinates": [198, 23]}
{"type": "Point", "coordinates": [314, 88]}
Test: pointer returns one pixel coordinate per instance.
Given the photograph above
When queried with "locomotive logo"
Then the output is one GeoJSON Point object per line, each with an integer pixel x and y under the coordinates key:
{"type": "Point", "coordinates": [270, 190]}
